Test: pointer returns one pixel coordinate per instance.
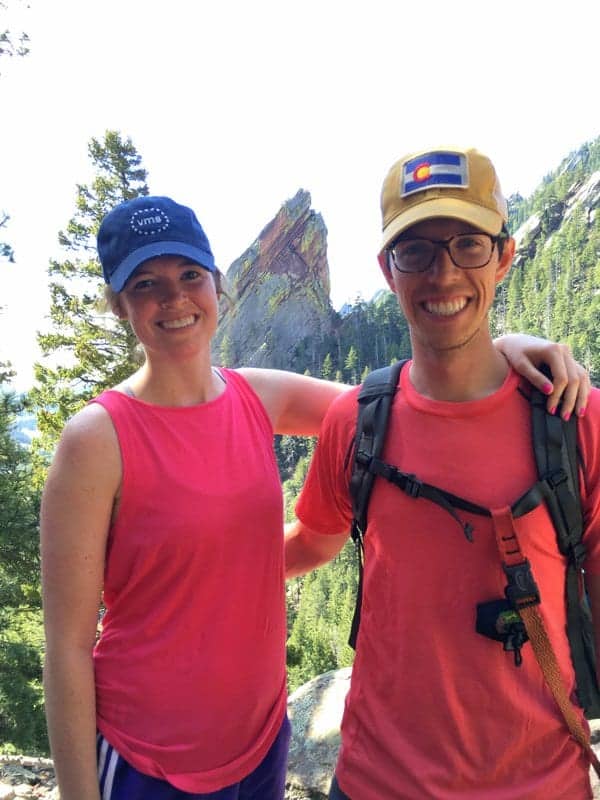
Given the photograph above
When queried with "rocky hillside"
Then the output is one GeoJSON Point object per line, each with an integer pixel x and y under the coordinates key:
{"type": "Point", "coordinates": [279, 289]}
{"type": "Point", "coordinates": [553, 288]}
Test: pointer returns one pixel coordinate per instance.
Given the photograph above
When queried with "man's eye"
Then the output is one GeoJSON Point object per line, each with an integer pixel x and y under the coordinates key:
{"type": "Point", "coordinates": [470, 243]}
{"type": "Point", "coordinates": [414, 250]}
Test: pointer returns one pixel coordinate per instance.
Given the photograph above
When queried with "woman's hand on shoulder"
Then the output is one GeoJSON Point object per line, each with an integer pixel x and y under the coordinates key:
{"type": "Point", "coordinates": [570, 384]}
{"type": "Point", "coordinates": [296, 404]}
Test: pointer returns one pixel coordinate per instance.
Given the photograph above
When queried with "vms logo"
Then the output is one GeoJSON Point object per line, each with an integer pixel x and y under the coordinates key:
{"type": "Point", "coordinates": [149, 221]}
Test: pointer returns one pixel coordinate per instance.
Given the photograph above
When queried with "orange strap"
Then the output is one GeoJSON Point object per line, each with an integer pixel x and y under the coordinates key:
{"type": "Point", "coordinates": [512, 557]}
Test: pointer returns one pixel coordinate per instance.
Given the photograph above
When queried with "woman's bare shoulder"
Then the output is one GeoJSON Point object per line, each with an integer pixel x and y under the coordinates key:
{"type": "Point", "coordinates": [89, 445]}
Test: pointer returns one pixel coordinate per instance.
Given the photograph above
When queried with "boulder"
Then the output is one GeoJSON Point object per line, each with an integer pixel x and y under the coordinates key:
{"type": "Point", "coordinates": [315, 711]}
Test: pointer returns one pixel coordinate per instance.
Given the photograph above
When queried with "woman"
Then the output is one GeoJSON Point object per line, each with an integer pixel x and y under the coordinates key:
{"type": "Point", "coordinates": [164, 498]}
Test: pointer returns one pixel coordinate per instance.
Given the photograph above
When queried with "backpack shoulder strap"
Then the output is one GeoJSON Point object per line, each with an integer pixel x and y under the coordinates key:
{"type": "Point", "coordinates": [374, 402]}
{"type": "Point", "coordinates": [557, 459]}
{"type": "Point", "coordinates": [555, 449]}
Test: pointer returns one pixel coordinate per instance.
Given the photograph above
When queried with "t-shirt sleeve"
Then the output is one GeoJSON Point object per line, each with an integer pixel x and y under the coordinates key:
{"type": "Point", "coordinates": [589, 445]}
{"type": "Point", "coordinates": [324, 503]}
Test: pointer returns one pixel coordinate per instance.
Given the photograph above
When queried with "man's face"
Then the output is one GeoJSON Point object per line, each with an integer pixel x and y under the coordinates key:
{"type": "Point", "coordinates": [447, 307]}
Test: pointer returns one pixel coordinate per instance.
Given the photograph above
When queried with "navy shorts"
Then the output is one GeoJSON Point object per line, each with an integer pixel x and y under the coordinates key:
{"type": "Point", "coordinates": [335, 793]}
{"type": "Point", "coordinates": [120, 781]}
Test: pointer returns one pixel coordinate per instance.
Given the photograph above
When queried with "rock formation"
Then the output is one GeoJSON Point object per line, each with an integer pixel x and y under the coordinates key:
{"type": "Point", "coordinates": [279, 289]}
{"type": "Point", "coordinates": [315, 711]}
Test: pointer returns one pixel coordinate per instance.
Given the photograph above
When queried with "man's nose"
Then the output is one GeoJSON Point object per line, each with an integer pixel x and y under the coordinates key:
{"type": "Point", "coordinates": [442, 265]}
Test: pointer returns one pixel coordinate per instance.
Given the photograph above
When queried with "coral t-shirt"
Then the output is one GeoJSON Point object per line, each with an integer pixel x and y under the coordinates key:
{"type": "Point", "coordinates": [190, 666]}
{"type": "Point", "coordinates": [436, 710]}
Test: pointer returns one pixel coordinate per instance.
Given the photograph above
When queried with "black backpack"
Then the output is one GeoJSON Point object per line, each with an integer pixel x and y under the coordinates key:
{"type": "Point", "coordinates": [555, 447]}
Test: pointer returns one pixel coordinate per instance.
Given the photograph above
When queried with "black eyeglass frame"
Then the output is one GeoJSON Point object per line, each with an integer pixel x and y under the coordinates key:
{"type": "Point", "coordinates": [445, 244]}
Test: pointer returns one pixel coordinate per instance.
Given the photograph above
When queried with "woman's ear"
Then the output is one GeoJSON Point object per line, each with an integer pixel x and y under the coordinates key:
{"type": "Point", "coordinates": [112, 301]}
{"type": "Point", "coordinates": [116, 306]}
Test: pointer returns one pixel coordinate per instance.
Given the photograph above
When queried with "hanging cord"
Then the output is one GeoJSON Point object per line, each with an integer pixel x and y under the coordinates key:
{"type": "Point", "coordinates": [523, 594]}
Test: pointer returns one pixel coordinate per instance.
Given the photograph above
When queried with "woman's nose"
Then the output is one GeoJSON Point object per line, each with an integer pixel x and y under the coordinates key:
{"type": "Point", "coordinates": [172, 295]}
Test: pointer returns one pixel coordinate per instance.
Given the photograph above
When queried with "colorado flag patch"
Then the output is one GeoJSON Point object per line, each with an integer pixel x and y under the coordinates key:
{"type": "Point", "coordinates": [434, 169]}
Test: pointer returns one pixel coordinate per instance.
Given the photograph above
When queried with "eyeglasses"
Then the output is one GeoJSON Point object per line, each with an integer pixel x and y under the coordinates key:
{"type": "Point", "coordinates": [467, 251]}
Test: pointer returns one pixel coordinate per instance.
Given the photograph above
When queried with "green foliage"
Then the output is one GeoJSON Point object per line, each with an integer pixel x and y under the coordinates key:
{"type": "Point", "coordinates": [327, 368]}
{"type": "Point", "coordinates": [22, 725]}
{"type": "Point", "coordinates": [292, 486]}
{"type": "Point", "coordinates": [553, 289]}
{"type": "Point", "coordinates": [91, 350]}
{"type": "Point", "coordinates": [351, 364]}
{"type": "Point", "coordinates": [19, 558]}
{"type": "Point", "coordinates": [320, 618]}
{"type": "Point", "coordinates": [367, 335]}
{"type": "Point", "coordinates": [22, 722]}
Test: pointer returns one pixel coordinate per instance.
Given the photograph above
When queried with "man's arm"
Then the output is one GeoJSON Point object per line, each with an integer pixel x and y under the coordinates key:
{"type": "Point", "coordinates": [306, 549]}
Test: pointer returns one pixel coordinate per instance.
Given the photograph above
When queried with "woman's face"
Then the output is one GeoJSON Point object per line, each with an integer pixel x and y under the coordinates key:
{"type": "Point", "coordinates": [171, 304]}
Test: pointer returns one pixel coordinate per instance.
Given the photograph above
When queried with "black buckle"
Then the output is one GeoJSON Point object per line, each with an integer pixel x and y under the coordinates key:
{"type": "Point", "coordinates": [413, 486]}
{"type": "Point", "coordinates": [556, 477]}
{"type": "Point", "coordinates": [363, 457]}
{"type": "Point", "coordinates": [522, 590]}
{"type": "Point", "coordinates": [577, 554]}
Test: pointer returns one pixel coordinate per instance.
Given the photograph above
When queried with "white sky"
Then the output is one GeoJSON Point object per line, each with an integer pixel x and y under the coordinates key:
{"type": "Point", "coordinates": [236, 104]}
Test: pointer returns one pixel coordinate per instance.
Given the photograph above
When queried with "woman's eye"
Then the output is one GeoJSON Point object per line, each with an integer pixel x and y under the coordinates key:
{"type": "Point", "coordinates": [192, 275]}
{"type": "Point", "coordinates": [145, 284]}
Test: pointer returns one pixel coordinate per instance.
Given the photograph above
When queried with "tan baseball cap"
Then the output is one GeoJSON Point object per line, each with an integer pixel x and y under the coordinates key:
{"type": "Point", "coordinates": [448, 182]}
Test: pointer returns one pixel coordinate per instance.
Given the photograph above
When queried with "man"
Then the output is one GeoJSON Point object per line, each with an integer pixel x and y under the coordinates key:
{"type": "Point", "coordinates": [435, 709]}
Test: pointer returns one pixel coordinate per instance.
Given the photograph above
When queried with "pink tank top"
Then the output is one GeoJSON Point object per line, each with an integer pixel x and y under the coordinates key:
{"type": "Point", "coordinates": [190, 666]}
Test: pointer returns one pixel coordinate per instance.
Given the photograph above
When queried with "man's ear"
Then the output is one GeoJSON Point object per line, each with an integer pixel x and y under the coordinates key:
{"type": "Point", "coordinates": [384, 265]}
{"type": "Point", "coordinates": [506, 259]}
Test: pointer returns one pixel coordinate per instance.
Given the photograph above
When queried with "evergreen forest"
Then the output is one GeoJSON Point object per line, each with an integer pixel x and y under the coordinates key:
{"type": "Point", "coordinates": [553, 290]}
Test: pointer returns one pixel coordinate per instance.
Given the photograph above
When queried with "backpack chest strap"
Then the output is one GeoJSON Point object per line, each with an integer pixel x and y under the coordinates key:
{"type": "Point", "coordinates": [521, 590]}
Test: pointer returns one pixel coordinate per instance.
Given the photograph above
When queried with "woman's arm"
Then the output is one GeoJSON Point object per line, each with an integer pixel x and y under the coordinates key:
{"type": "Point", "coordinates": [75, 517]}
{"type": "Point", "coordinates": [296, 404]}
{"type": "Point", "coordinates": [570, 381]}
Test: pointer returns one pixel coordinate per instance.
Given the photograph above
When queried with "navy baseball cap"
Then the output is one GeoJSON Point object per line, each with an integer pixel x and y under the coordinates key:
{"type": "Point", "coordinates": [147, 227]}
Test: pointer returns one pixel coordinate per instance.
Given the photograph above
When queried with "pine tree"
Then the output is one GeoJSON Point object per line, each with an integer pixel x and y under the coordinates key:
{"type": "Point", "coordinates": [327, 368]}
{"type": "Point", "coordinates": [91, 350]}
{"type": "Point", "coordinates": [22, 726]}
{"type": "Point", "coordinates": [351, 365]}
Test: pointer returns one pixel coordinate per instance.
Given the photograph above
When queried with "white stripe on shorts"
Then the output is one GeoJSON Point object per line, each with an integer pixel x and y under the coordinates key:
{"type": "Point", "coordinates": [102, 755]}
{"type": "Point", "coordinates": [110, 775]}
